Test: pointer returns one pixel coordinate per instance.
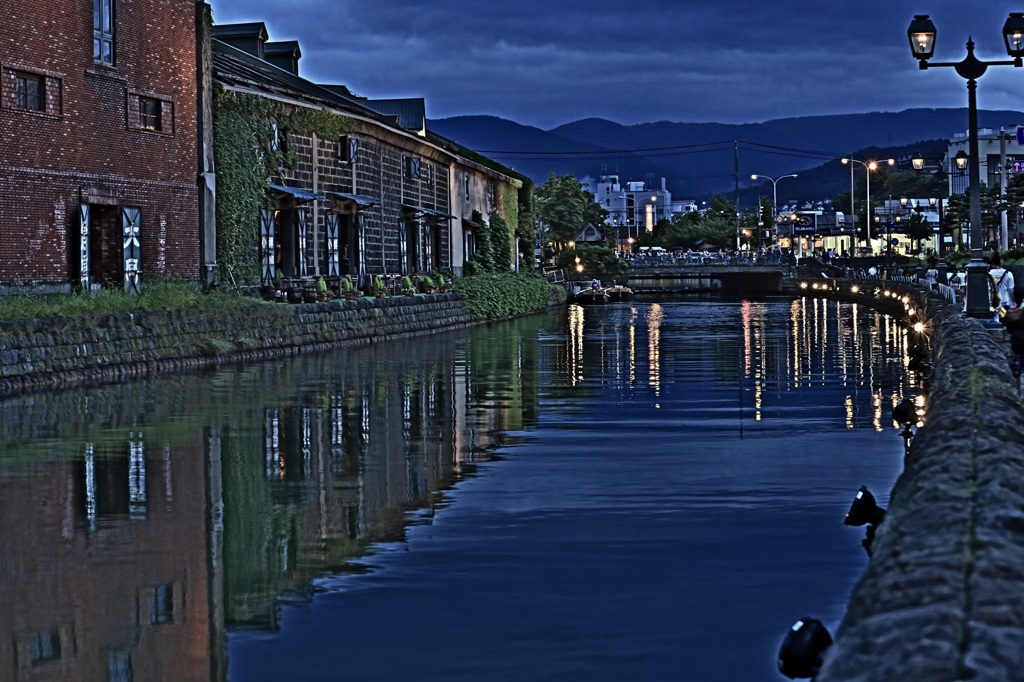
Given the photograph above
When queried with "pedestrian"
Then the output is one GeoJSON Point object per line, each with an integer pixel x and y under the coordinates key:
{"type": "Point", "coordinates": [1013, 322]}
{"type": "Point", "coordinates": [1001, 282]}
{"type": "Point", "coordinates": [953, 277]}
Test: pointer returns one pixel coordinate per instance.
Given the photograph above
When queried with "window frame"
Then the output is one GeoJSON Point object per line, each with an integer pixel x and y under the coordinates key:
{"type": "Point", "coordinates": [23, 97]}
{"type": "Point", "coordinates": [144, 119]}
{"type": "Point", "coordinates": [149, 114]}
{"type": "Point", "coordinates": [103, 32]}
{"type": "Point", "coordinates": [15, 96]}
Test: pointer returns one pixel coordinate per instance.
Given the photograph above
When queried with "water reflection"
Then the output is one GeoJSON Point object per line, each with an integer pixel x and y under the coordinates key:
{"type": "Point", "coordinates": [143, 522]}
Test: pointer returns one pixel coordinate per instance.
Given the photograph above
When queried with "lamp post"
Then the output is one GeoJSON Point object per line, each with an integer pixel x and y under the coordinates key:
{"type": "Point", "coordinates": [775, 196]}
{"type": "Point", "coordinates": [922, 45]}
{"type": "Point", "coordinates": [936, 202]}
{"type": "Point", "coordinates": [868, 167]}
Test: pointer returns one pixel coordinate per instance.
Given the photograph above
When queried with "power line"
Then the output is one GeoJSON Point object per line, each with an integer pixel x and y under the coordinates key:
{"type": "Point", "coordinates": [674, 150]}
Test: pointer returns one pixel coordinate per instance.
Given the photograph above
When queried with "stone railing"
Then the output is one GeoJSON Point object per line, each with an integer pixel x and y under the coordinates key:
{"type": "Point", "coordinates": [942, 597]}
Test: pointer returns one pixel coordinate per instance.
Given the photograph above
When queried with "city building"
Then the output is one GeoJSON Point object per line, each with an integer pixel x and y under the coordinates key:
{"type": "Point", "coordinates": [633, 208]}
{"type": "Point", "coordinates": [999, 151]}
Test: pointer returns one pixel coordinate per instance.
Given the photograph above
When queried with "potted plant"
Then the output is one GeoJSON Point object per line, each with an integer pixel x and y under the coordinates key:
{"type": "Point", "coordinates": [407, 288]}
{"type": "Point", "coordinates": [279, 285]}
{"type": "Point", "coordinates": [378, 286]}
{"type": "Point", "coordinates": [427, 284]}
{"type": "Point", "coordinates": [321, 290]}
{"type": "Point", "coordinates": [443, 283]}
{"type": "Point", "coordinates": [348, 288]}
{"type": "Point", "coordinates": [308, 294]}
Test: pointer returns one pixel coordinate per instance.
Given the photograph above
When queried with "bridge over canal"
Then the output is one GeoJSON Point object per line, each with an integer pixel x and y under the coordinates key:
{"type": "Point", "coordinates": [724, 278]}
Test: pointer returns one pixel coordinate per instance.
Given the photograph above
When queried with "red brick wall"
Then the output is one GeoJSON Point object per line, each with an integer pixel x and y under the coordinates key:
{"type": "Point", "coordinates": [87, 136]}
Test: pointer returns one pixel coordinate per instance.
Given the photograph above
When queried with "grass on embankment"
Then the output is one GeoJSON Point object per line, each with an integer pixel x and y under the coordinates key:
{"type": "Point", "coordinates": [162, 294]}
{"type": "Point", "coordinates": [489, 296]}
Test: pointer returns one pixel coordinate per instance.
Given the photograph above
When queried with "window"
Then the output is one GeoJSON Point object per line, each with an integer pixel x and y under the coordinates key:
{"type": "Point", "coordinates": [119, 666]}
{"type": "Point", "coordinates": [411, 166]}
{"type": "Point", "coordinates": [29, 92]}
{"type": "Point", "coordinates": [348, 149]}
{"type": "Point", "coordinates": [161, 604]}
{"type": "Point", "coordinates": [44, 646]}
{"type": "Point", "coordinates": [103, 32]}
{"type": "Point", "coordinates": [149, 113]}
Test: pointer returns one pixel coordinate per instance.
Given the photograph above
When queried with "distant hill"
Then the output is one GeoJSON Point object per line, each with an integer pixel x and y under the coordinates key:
{"type": "Point", "coordinates": [699, 159]}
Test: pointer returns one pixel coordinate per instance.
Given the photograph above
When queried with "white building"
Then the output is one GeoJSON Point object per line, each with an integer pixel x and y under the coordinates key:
{"type": "Point", "coordinates": [1000, 157]}
{"type": "Point", "coordinates": [632, 207]}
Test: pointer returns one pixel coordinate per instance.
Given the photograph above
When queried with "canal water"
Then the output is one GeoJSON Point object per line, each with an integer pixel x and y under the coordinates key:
{"type": "Point", "coordinates": [650, 490]}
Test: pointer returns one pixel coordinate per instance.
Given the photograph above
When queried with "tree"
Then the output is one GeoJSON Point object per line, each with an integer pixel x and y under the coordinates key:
{"type": "Point", "coordinates": [563, 206]}
{"type": "Point", "coordinates": [918, 228]}
{"type": "Point", "coordinates": [595, 261]}
{"type": "Point", "coordinates": [957, 214]}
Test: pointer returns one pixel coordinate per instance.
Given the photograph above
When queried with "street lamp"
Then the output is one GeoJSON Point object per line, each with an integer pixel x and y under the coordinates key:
{"type": "Point", "coordinates": [775, 199]}
{"type": "Point", "coordinates": [922, 45]}
{"type": "Point", "coordinates": [868, 167]}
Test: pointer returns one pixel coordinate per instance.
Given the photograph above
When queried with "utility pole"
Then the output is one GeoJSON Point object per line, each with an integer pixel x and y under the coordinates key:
{"type": "Point", "coordinates": [1004, 236]}
{"type": "Point", "coordinates": [736, 153]}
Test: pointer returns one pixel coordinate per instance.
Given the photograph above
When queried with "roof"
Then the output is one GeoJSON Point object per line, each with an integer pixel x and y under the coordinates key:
{"type": "Point", "coordinates": [429, 212]}
{"type": "Point", "coordinates": [285, 47]}
{"type": "Point", "coordinates": [411, 112]}
{"type": "Point", "coordinates": [357, 199]}
{"type": "Point", "coordinates": [254, 29]}
{"type": "Point", "coordinates": [297, 192]}
{"type": "Point", "coordinates": [235, 67]}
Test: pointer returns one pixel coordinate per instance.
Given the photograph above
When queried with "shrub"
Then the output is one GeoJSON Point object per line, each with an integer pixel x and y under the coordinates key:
{"type": "Point", "coordinates": [507, 294]}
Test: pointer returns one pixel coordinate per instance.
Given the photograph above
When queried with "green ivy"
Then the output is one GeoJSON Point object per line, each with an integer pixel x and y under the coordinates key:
{"type": "Point", "coordinates": [324, 124]}
{"type": "Point", "coordinates": [246, 162]}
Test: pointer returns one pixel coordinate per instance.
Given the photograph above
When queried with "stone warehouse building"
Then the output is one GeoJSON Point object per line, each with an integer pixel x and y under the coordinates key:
{"type": "Point", "coordinates": [350, 186]}
{"type": "Point", "coordinates": [98, 143]}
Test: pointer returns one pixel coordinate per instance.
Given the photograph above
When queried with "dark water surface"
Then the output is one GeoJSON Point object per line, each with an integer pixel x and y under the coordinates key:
{"type": "Point", "coordinates": [644, 491]}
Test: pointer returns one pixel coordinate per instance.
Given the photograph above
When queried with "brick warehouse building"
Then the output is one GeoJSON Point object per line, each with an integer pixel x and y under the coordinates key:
{"type": "Point", "coordinates": [98, 144]}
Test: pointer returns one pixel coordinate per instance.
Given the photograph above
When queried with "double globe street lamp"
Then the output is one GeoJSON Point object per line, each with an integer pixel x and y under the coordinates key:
{"type": "Point", "coordinates": [775, 195]}
{"type": "Point", "coordinates": [922, 45]}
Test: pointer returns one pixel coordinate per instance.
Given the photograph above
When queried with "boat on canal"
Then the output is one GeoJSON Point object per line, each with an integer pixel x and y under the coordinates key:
{"type": "Point", "coordinates": [590, 296]}
{"type": "Point", "coordinates": [619, 292]}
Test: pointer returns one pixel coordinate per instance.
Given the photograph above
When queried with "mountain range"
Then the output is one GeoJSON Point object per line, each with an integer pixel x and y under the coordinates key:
{"type": "Point", "coordinates": [698, 160]}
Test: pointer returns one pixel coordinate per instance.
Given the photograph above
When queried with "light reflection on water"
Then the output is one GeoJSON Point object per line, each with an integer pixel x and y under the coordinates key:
{"type": "Point", "coordinates": [648, 491]}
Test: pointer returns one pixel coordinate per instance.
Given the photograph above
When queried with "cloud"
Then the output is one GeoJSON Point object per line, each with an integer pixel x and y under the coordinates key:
{"type": "Point", "coordinates": [547, 63]}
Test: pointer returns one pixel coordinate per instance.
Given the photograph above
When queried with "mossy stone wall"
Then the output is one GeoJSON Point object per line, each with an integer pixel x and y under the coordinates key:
{"type": "Point", "coordinates": [56, 352]}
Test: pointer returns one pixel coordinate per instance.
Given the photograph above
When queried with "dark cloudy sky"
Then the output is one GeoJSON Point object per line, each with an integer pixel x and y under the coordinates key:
{"type": "Point", "coordinates": [545, 63]}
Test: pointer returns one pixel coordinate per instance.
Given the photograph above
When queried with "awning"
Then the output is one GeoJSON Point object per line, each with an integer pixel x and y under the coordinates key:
{"type": "Point", "coordinates": [297, 192]}
{"type": "Point", "coordinates": [428, 212]}
{"type": "Point", "coordinates": [359, 201]}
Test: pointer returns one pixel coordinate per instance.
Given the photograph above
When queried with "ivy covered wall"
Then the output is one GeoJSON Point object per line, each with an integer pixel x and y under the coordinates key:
{"type": "Point", "coordinates": [244, 162]}
{"type": "Point", "coordinates": [247, 160]}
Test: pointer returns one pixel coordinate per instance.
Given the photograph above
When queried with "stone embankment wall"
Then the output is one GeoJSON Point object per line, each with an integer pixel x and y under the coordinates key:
{"type": "Point", "coordinates": [942, 597]}
{"type": "Point", "coordinates": [39, 354]}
